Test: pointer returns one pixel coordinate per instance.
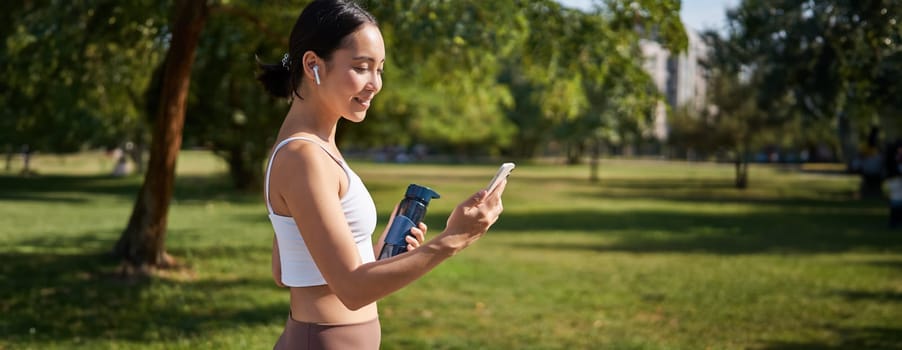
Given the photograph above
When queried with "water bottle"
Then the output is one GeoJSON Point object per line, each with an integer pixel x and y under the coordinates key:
{"type": "Point", "coordinates": [410, 212]}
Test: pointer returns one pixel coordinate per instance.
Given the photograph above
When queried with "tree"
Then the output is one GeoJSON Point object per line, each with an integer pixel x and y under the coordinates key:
{"type": "Point", "coordinates": [142, 243]}
{"type": "Point", "coordinates": [582, 70]}
{"type": "Point", "coordinates": [735, 126]}
{"type": "Point", "coordinates": [444, 69]}
{"type": "Point", "coordinates": [87, 88]}
{"type": "Point", "coordinates": [838, 60]}
{"type": "Point", "coordinates": [440, 76]}
{"type": "Point", "coordinates": [738, 120]}
{"type": "Point", "coordinates": [228, 112]}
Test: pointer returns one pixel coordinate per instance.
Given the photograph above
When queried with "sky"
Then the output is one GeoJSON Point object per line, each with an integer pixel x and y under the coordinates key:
{"type": "Point", "coordinates": [696, 14]}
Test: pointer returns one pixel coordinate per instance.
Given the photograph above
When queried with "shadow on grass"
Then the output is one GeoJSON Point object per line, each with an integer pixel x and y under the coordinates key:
{"type": "Point", "coordinates": [838, 200]}
{"type": "Point", "coordinates": [72, 189]}
{"type": "Point", "coordinates": [65, 297]}
{"type": "Point", "coordinates": [879, 296]}
{"type": "Point", "coordinates": [779, 217]}
{"type": "Point", "coordinates": [56, 239]}
{"type": "Point", "coordinates": [706, 190]}
{"type": "Point", "coordinates": [849, 338]}
{"type": "Point", "coordinates": [781, 229]}
{"type": "Point", "coordinates": [894, 265]}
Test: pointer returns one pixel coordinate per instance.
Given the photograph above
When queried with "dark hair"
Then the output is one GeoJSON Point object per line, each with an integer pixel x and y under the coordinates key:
{"type": "Point", "coordinates": [322, 28]}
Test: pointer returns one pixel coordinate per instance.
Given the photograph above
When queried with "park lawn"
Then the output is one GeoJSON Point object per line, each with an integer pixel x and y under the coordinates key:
{"type": "Point", "coordinates": [657, 255]}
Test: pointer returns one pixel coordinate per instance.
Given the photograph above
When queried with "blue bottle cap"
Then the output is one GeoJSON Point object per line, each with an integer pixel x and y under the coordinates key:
{"type": "Point", "coordinates": [422, 193]}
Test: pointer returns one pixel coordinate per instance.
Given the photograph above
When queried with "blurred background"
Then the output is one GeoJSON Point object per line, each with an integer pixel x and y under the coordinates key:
{"type": "Point", "coordinates": [780, 82]}
{"type": "Point", "coordinates": [680, 143]}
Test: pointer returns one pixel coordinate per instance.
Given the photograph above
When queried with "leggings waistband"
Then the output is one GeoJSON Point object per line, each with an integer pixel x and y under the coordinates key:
{"type": "Point", "coordinates": [315, 336]}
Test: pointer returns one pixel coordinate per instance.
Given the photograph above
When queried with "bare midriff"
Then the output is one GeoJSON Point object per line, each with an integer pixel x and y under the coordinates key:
{"type": "Point", "coordinates": [318, 304]}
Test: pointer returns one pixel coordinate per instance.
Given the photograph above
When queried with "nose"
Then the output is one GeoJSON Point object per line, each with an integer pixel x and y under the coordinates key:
{"type": "Point", "coordinates": [375, 83]}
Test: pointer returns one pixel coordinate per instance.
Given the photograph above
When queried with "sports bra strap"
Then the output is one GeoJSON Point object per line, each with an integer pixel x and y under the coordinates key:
{"type": "Point", "coordinates": [273, 157]}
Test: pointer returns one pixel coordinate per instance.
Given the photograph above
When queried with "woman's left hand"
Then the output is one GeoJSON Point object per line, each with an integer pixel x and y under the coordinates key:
{"type": "Point", "coordinates": [416, 237]}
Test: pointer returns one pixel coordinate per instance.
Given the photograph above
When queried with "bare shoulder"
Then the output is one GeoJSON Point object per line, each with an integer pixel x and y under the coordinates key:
{"type": "Point", "coordinates": [302, 160]}
{"type": "Point", "coordinates": [300, 154]}
{"type": "Point", "coordinates": [301, 169]}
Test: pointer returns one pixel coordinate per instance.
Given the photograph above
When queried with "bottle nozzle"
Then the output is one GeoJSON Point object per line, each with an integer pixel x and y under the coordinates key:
{"type": "Point", "coordinates": [424, 194]}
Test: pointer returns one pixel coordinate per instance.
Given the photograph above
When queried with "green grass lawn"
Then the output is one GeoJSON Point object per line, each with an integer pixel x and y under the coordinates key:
{"type": "Point", "coordinates": [657, 255]}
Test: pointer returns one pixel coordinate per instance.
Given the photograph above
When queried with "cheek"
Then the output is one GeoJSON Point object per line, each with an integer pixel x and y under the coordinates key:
{"type": "Point", "coordinates": [356, 81]}
{"type": "Point", "coordinates": [343, 85]}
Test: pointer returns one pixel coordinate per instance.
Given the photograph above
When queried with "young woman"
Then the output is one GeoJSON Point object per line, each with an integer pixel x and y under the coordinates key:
{"type": "Point", "coordinates": [321, 212]}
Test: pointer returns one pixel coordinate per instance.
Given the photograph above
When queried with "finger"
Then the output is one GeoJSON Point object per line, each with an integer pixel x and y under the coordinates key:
{"type": "Point", "coordinates": [418, 234]}
{"type": "Point", "coordinates": [496, 204]}
{"type": "Point", "coordinates": [494, 199]}
{"type": "Point", "coordinates": [475, 199]}
{"type": "Point", "coordinates": [423, 228]}
{"type": "Point", "coordinates": [411, 242]}
{"type": "Point", "coordinates": [500, 188]}
{"type": "Point", "coordinates": [480, 196]}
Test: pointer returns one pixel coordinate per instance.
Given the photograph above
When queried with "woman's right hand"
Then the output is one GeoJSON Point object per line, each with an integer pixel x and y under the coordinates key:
{"type": "Point", "coordinates": [473, 217]}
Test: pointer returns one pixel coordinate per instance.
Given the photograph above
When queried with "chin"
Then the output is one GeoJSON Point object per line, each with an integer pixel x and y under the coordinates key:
{"type": "Point", "coordinates": [355, 117]}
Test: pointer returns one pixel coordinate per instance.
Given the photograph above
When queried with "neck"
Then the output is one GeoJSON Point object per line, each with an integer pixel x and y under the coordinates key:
{"type": "Point", "coordinates": [306, 116]}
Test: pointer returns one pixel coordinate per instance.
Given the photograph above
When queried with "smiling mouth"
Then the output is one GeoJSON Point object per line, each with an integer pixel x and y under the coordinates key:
{"type": "Point", "coordinates": [364, 103]}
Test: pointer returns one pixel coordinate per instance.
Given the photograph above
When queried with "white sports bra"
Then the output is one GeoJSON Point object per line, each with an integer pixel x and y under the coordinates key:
{"type": "Point", "coordinates": [298, 267]}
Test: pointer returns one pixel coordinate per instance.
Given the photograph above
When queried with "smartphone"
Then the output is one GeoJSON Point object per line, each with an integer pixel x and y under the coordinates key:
{"type": "Point", "coordinates": [502, 173]}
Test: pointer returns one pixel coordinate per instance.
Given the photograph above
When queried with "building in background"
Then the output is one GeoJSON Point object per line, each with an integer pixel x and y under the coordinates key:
{"type": "Point", "coordinates": [680, 78]}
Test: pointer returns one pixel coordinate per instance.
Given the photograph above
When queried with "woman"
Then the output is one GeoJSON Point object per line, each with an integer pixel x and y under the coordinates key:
{"type": "Point", "coordinates": [321, 212]}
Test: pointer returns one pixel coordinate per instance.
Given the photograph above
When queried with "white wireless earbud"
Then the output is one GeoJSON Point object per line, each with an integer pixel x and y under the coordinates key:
{"type": "Point", "coordinates": [316, 73]}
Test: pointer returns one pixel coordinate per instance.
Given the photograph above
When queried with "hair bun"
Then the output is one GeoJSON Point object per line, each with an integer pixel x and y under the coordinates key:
{"type": "Point", "coordinates": [275, 79]}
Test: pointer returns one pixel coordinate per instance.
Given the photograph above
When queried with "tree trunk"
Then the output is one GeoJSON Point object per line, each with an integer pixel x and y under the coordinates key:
{"type": "Point", "coordinates": [243, 168]}
{"type": "Point", "coordinates": [742, 171]}
{"type": "Point", "coordinates": [9, 158]}
{"type": "Point", "coordinates": [593, 163]}
{"type": "Point", "coordinates": [142, 243]}
{"type": "Point", "coordinates": [26, 161]}
{"type": "Point", "coordinates": [847, 141]}
{"type": "Point", "coordinates": [574, 153]}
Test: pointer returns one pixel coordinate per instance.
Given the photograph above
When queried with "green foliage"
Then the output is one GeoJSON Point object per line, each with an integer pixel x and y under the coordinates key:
{"type": "Point", "coordinates": [658, 18]}
{"type": "Point", "coordinates": [465, 76]}
{"type": "Point", "coordinates": [228, 110]}
{"type": "Point", "coordinates": [440, 83]}
{"type": "Point", "coordinates": [75, 71]}
{"type": "Point", "coordinates": [834, 59]}
{"type": "Point", "coordinates": [735, 125]}
{"type": "Point", "coordinates": [536, 72]}
{"type": "Point", "coordinates": [579, 74]}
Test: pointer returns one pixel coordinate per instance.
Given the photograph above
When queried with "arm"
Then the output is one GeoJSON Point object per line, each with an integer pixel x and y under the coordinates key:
{"type": "Point", "coordinates": [313, 202]}
{"type": "Point", "coordinates": [276, 263]}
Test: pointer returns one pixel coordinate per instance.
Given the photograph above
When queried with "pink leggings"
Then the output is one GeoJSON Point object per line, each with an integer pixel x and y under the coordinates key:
{"type": "Point", "coordinates": [312, 336]}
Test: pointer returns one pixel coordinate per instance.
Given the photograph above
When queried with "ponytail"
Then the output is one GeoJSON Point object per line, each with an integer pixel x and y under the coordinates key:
{"type": "Point", "coordinates": [276, 79]}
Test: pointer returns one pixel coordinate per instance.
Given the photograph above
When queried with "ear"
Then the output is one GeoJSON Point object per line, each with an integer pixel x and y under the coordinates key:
{"type": "Point", "coordinates": [310, 59]}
